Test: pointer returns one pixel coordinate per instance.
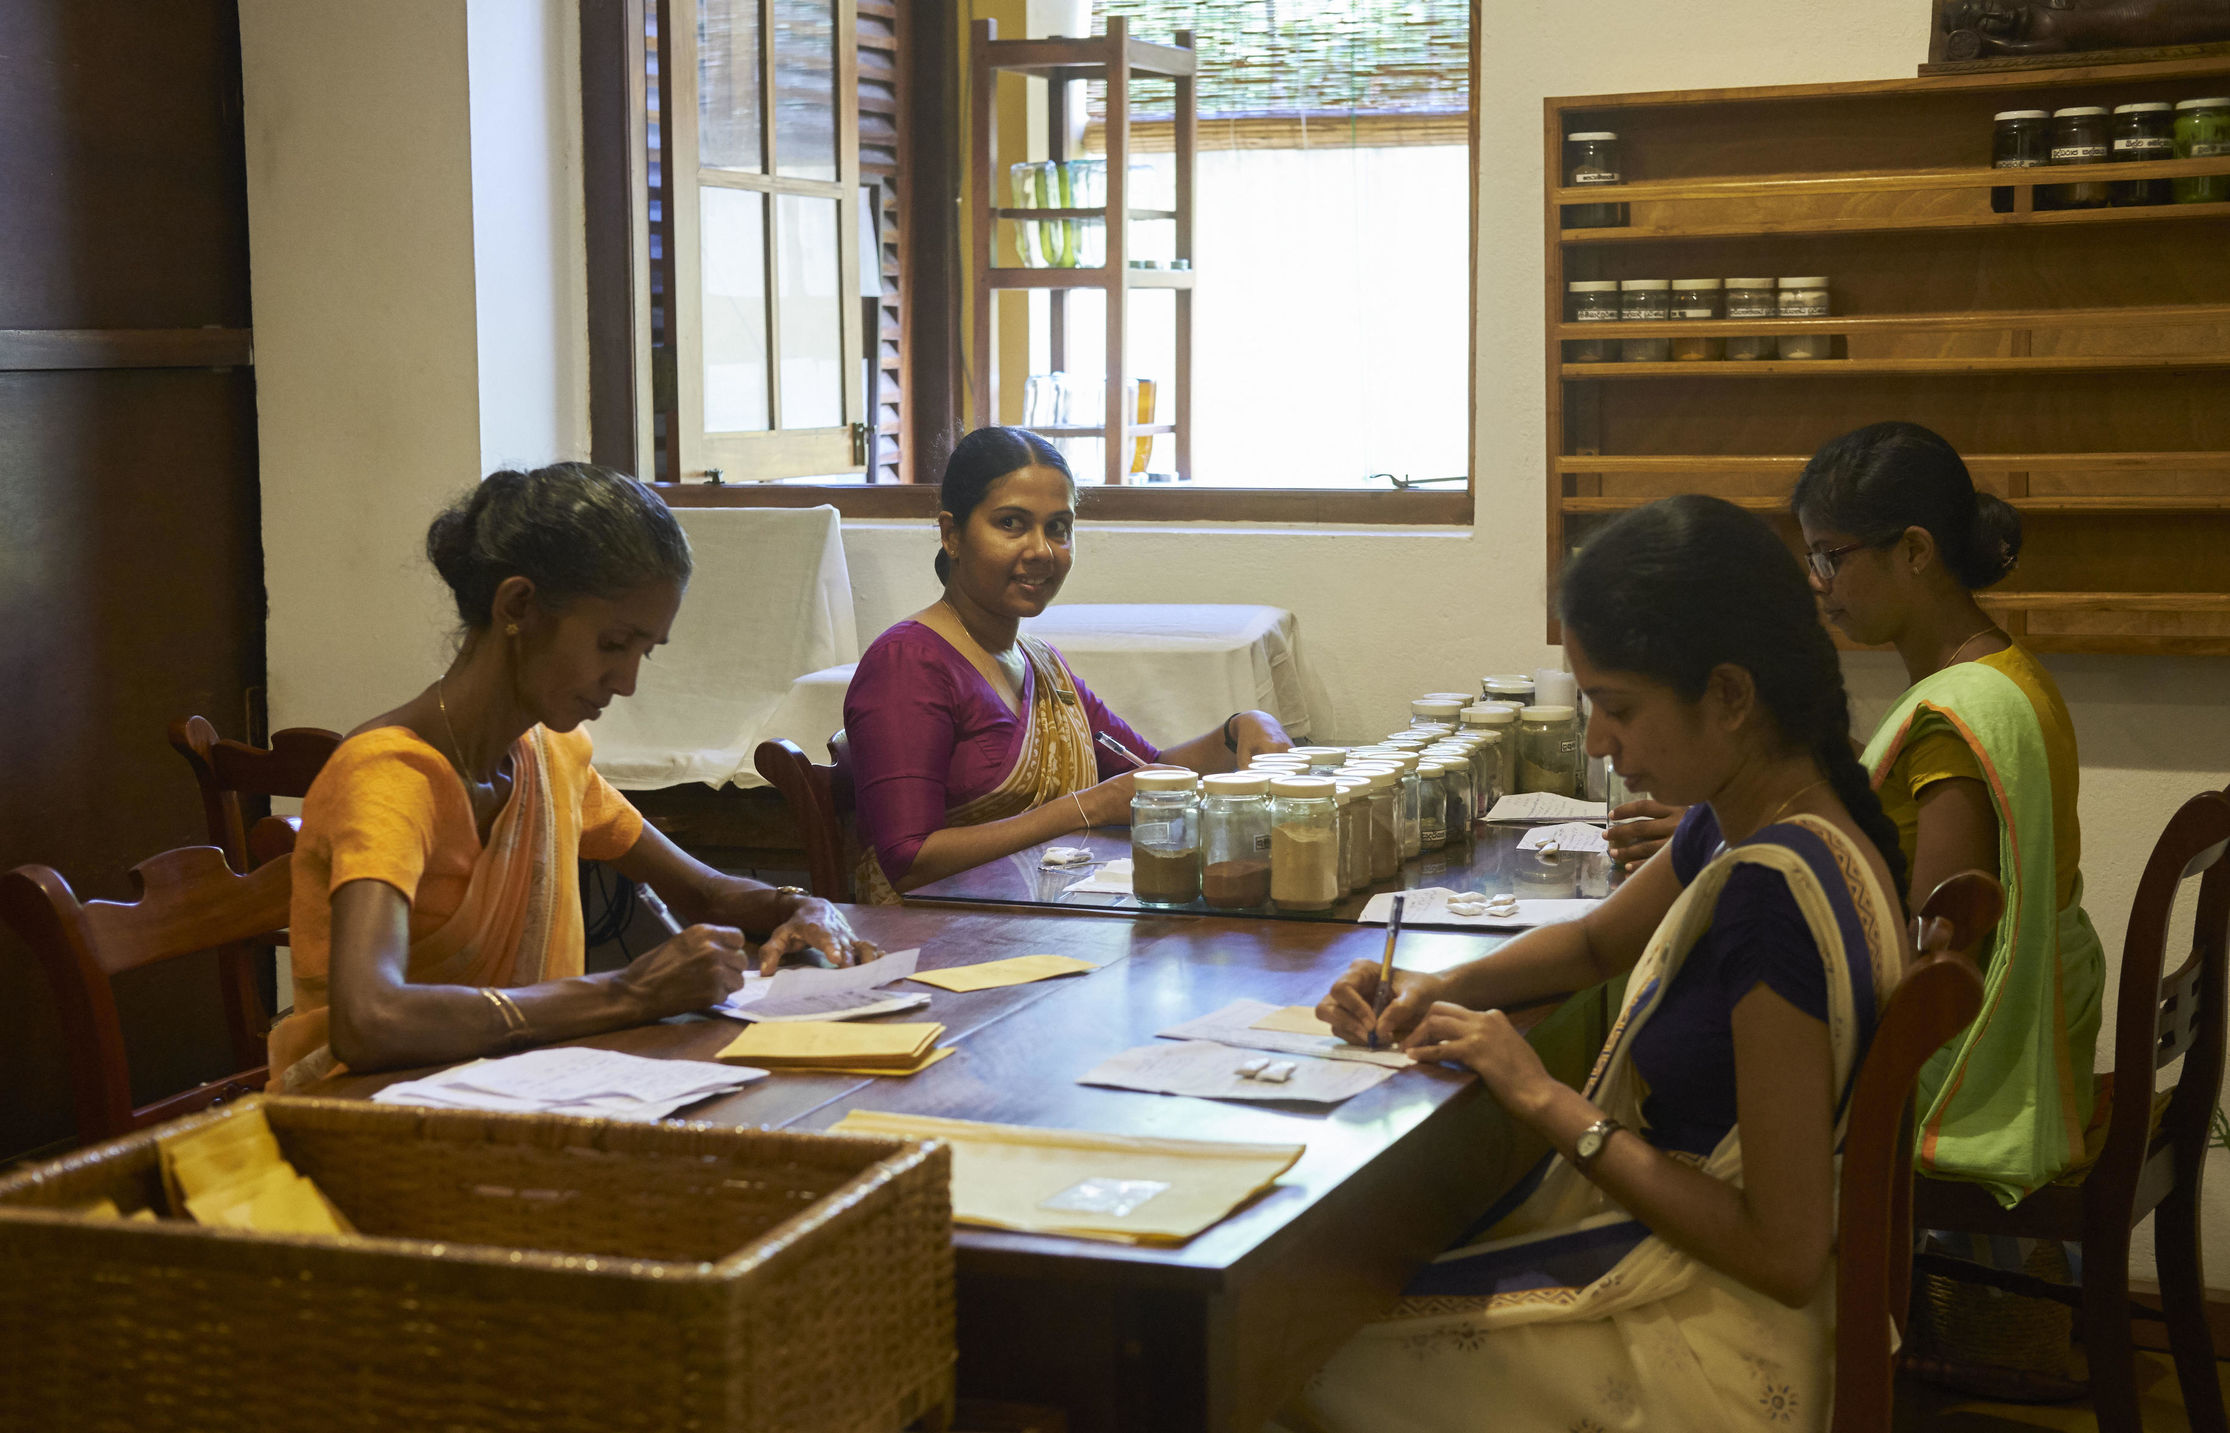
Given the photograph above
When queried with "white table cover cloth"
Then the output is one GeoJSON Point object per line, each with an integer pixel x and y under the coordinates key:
{"type": "Point", "coordinates": [770, 601]}
{"type": "Point", "coordinates": [1172, 670]}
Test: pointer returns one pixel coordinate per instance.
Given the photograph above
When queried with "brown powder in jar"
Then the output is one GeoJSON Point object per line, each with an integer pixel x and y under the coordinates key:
{"type": "Point", "coordinates": [1236, 885]}
{"type": "Point", "coordinates": [1304, 868]}
{"type": "Point", "coordinates": [1167, 878]}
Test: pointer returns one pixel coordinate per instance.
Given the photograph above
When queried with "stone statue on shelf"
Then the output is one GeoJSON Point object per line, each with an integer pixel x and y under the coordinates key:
{"type": "Point", "coordinates": [1985, 29]}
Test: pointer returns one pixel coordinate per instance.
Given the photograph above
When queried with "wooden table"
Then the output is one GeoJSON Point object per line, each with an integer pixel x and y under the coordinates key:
{"type": "Point", "coordinates": [1218, 1333]}
{"type": "Point", "coordinates": [1488, 860]}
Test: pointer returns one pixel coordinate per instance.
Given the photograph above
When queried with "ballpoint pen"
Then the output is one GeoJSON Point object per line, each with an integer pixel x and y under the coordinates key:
{"type": "Point", "coordinates": [1120, 750]}
{"type": "Point", "coordinates": [1385, 994]}
{"type": "Point", "coordinates": [657, 908]}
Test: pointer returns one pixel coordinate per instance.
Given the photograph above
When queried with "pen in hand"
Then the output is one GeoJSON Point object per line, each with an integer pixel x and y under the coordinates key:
{"type": "Point", "coordinates": [1384, 995]}
{"type": "Point", "coordinates": [1121, 750]}
{"type": "Point", "coordinates": [651, 902]}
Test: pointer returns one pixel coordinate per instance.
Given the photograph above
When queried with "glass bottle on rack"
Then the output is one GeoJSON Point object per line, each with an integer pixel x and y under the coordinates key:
{"type": "Point", "coordinates": [1235, 841]}
{"type": "Point", "coordinates": [1645, 301]}
{"type": "Point", "coordinates": [1694, 299]}
{"type": "Point", "coordinates": [2141, 132]}
{"type": "Point", "coordinates": [1591, 157]}
{"type": "Point", "coordinates": [1804, 298]}
{"type": "Point", "coordinates": [2080, 135]}
{"type": "Point", "coordinates": [1304, 843]}
{"type": "Point", "coordinates": [2203, 132]}
{"type": "Point", "coordinates": [1753, 298]}
{"type": "Point", "coordinates": [2019, 139]}
{"type": "Point", "coordinates": [1593, 301]}
{"type": "Point", "coordinates": [1165, 837]}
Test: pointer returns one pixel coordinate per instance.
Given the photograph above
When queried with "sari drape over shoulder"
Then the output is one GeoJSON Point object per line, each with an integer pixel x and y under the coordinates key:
{"type": "Point", "coordinates": [389, 807]}
{"type": "Point", "coordinates": [2005, 1105]}
{"type": "Point", "coordinates": [1054, 758]}
{"type": "Point", "coordinates": [1562, 1311]}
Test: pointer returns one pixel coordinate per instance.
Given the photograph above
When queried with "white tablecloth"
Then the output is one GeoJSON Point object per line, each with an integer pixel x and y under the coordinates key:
{"type": "Point", "coordinates": [770, 601]}
{"type": "Point", "coordinates": [1171, 670]}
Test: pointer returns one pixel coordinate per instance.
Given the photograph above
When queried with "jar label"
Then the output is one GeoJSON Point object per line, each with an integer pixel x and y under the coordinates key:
{"type": "Point", "coordinates": [2217, 150]}
{"type": "Point", "coordinates": [1594, 176]}
{"type": "Point", "coordinates": [1809, 305]}
{"type": "Point", "coordinates": [1262, 844]}
{"type": "Point", "coordinates": [2078, 153]}
{"type": "Point", "coordinates": [2019, 164]}
{"type": "Point", "coordinates": [2144, 144]}
{"type": "Point", "coordinates": [1154, 834]}
{"type": "Point", "coordinates": [1752, 308]}
{"type": "Point", "coordinates": [1594, 315]}
{"type": "Point", "coordinates": [1700, 311]}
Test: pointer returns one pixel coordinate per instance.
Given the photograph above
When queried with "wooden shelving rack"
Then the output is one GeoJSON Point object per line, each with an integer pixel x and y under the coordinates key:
{"type": "Point", "coordinates": [2079, 359]}
{"type": "Point", "coordinates": [1116, 59]}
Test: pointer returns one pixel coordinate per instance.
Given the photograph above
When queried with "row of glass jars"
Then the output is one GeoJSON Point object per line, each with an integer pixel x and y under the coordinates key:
{"type": "Point", "coordinates": [2088, 134]}
{"type": "Point", "coordinates": [1241, 841]}
{"type": "Point", "coordinates": [1655, 300]}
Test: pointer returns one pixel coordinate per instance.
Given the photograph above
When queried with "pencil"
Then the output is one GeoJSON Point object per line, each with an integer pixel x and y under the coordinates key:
{"type": "Point", "coordinates": [1385, 993]}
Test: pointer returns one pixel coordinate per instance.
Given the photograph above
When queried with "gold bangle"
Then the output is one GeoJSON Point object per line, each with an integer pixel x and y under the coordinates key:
{"type": "Point", "coordinates": [515, 1028]}
{"type": "Point", "coordinates": [1080, 811]}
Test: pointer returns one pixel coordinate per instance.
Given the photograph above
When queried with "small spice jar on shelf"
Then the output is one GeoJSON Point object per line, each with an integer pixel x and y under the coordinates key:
{"type": "Point", "coordinates": [1697, 298]}
{"type": "Point", "coordinates": [1165, 838]}
{"type": "Point", "coordinates": [1593, 301]}
{"type": "Point", "coordinates": [2019, 139]}
{"type": "Point", "coordinates": [1549, 750]}
{"type": "Point", "coordinates": [2142, 132]}
{"type": "Point", "coordinates": [1641, 301]}
{"type": "Point", "coordinates": [1304, 843]}
{"type": "Point", "coordinates": [1753, 299]}
{"type": "Point", "coordinates": [2080, 135]}
{"type": "Point", "coordinates": [2203, 132]}
{"type": "Point", "coordinates": [1235, 841]}
{"type": "Point", "coordinates": [1804, 298]}
{"type": "Point", "coordinates": [1591, 157]}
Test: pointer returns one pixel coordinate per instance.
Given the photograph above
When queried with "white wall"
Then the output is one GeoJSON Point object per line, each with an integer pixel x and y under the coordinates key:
{"type": "Point", "coordinates": [419, 299]}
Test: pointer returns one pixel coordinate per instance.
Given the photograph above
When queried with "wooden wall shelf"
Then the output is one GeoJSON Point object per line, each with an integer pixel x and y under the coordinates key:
{"type": "Point", "coordinates": [2079, 358]}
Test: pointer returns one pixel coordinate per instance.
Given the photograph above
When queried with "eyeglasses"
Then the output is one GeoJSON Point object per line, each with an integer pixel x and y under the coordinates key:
{"type": "Point", "coordinates": [1824, 564]}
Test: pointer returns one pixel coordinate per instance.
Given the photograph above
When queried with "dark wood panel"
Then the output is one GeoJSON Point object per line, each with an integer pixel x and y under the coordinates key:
{"type": "Point", "coordinates": [35, 349]}
{"type": "Point", "coordinates": [123, 175]}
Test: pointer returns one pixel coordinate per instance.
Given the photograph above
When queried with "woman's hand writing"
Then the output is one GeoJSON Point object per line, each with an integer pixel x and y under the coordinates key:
{"type": "Point", "coordinates": [816, 925]}
{"type": "Point", "coordinates": [1485, 1042]}
{"type": "Point", "coordinates": [1347, 1006]}
{"type": "Point", "coordinates": [698, 968]}
{"type": "Point", "coordinates": [1648, 826]}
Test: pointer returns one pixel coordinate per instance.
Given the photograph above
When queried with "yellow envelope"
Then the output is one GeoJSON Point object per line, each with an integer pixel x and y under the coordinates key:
{"type": "Point", "coordinates": [229, 1205]}
{"type": "Point", "coordinates": [889, 1072]}
{"type": "Point", "coordinates": [993, 974]}
{"type": "Point", "coordinates": [836, 1044]}
{"type": "Point", "coordinates": [1124, 1188]}
{"type": "Point", "coordinates": [1293, 1020]}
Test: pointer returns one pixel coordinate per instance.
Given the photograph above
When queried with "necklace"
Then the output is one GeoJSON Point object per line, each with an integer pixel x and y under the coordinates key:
{"type": "Point", "coordinates": [1784, 806]}
{"type": "Point", "coordinates": [1955, 651]}
{"type": "Point", "coordinates": [456, 748]}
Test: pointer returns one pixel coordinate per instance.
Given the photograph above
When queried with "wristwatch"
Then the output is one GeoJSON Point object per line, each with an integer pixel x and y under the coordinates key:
{"type": "Point", "coordinates": [1589, 1146]}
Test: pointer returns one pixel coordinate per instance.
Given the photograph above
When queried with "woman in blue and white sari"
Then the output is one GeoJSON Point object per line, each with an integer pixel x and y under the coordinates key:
{"type": "Point", "coordinates": [1671, 1265]}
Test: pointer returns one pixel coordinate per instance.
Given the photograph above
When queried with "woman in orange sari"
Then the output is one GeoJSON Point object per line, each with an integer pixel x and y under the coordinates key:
{"type": "Point", "coordinates": [436, 913]}
{"type": "Point", "coordinates": [971, 740]}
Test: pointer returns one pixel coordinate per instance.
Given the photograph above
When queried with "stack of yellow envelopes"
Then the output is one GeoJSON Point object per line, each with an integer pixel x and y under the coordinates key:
{"type": "Point", "coordinates": [838, 1047]}
{"type": "Point", "coordinates": [230, 1173]}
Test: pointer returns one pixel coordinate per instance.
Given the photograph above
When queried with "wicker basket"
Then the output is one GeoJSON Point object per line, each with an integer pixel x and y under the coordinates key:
{"type": "Point", "coordinates": [512, 1272]}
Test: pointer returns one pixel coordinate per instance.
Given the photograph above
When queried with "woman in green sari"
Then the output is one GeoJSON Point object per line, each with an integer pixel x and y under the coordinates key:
{"type": "Point", "coordinates": [1976, 764]}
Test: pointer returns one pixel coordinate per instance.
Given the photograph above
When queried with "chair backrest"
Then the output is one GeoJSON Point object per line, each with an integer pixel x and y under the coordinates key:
{"type": "Point", "coordinates": [227, 770]}
{"type": "Point", "coordinates": [818, 797]}
{"type": "Point", "coordinates": [189, 900]}
{"type": "Point", "coordinates": [1938, 997]}
{"type": "Point", "coordinates": [2163, 1018]}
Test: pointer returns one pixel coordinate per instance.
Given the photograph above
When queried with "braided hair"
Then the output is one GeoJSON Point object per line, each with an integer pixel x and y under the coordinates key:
{"type": "Point", "coordinates": [1674, 589]}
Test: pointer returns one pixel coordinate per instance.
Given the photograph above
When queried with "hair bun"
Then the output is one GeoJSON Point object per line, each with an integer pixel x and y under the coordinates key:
{"type": "Point", "coordinates": [1993, 543]}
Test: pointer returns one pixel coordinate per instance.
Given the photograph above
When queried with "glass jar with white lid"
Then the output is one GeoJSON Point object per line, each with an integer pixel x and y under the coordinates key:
{"type": "Point", "coordinates": [1462, 781]}
{"type": "Point", "coordinates": [1235, 841]}
{"type": "Point", "coordinates": [1804, 297]}
{"type": "Point", "coordinates": [1549, 750]}
{"type": "Point", "coordinates": [1500, 721]}
{"type": "Point", "coordinates": [1321, 759]}
{"type": "Point", "coordinates": [1383, 860]}
{"type": "Point", "coordinates": [1355, 849]}
{"type": "Point", "coordinates": [1304, 843]}
{"type": "Point", "coordinates": [1511, 688]}
{"type": "Point", "coordinates": [1752, 298]}
{"type": "Point", "coordinates": [1432, 804]}
{"type": "Point", "coordinates": [1165, 837]}
{"type": "Point", "coordinates": [1434, 712]}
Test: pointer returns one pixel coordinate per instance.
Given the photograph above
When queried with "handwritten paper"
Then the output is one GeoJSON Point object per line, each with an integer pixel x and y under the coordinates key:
{"type": "Point", "coordinates": [994, 974]}
{"type": "Point", "coordinates": [1239, 1024]}
{"type": "Point", "coordinates": [573, 1080]}
{"type": "Point", "coordinates": [1017, 1177]}
{"type": "Point", "coordinates": [1546, 806]}
{"type": "Point", "coordinates": [1209, 1069]}
{"type": "Point", "coordinates": [1429, 906]}
{"type": "Point", "coordinates": [807, 993]}
{"type": "Point", "coordinates": [1112, 879]}
{"type": "Point", "coordinates": [1572, 838]}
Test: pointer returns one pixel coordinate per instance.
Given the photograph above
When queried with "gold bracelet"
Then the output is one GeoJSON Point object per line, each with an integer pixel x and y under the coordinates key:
{"type": "Point", "coordinates": [1080, 810]}
{"type": "Point", "coordinates": [515, 1028]}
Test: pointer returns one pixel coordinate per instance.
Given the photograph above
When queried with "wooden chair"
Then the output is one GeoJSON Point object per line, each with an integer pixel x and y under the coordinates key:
{"type": "Point", "coordinates": [1938, 998]}
{"type": "Point", "coordinates": [2144, 1168]}
{"type": "Point", "coordinates": [189, 900]}
{"type": "Point", "coordinates": [819, 798]}
{"type": "Point", "coordinates": [228, 769]}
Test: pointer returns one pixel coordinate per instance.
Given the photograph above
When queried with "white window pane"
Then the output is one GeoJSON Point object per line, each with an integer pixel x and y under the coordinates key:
{"type": "Point", "coordinates": [812, 312]}
{"type": "Point", "coordinates": [728, 124]}
{"type": "Point", "coordinates": [805, 89]}
{"type": "Point", "coordinates": [733, 228]}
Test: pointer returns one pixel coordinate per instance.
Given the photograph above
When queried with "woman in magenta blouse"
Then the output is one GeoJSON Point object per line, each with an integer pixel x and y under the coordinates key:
{"type": "Point", "coordinates": [969, 740]}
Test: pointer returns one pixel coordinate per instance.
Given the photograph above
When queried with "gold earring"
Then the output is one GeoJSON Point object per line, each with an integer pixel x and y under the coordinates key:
{"type": "Point", "coordinates": [510, 629]}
